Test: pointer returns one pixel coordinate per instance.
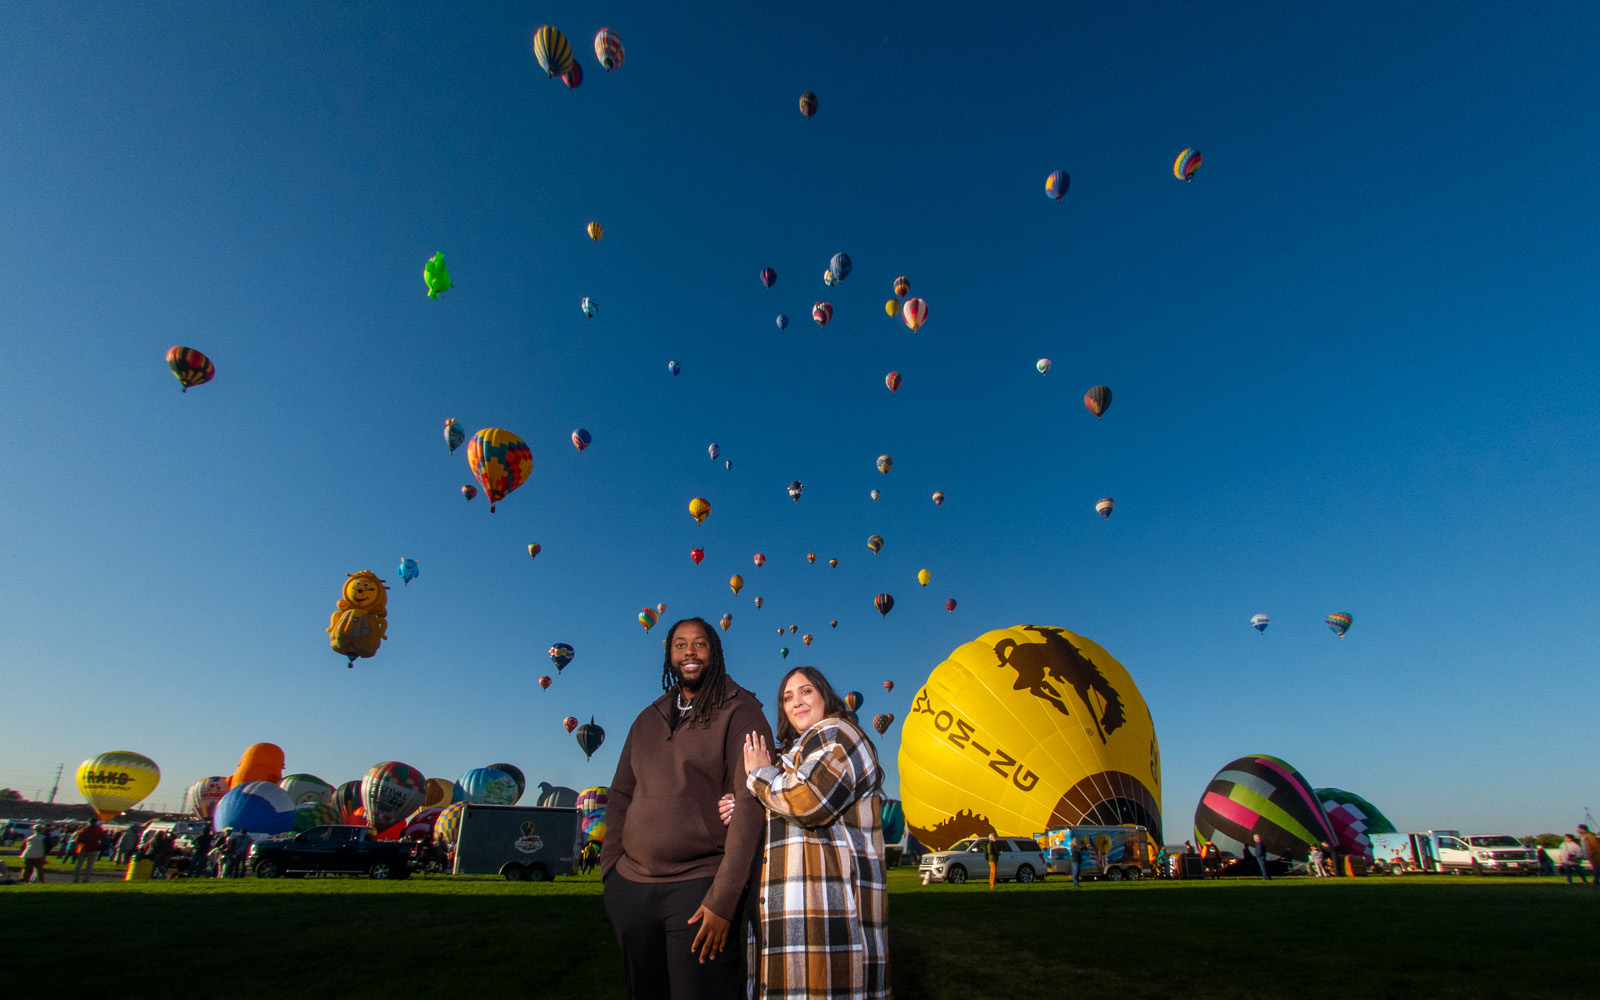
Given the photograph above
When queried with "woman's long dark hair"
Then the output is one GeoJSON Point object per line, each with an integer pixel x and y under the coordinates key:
{"type": "Point", "coordinates": [714, 684]}
{"type": "Point", "coordinates": [832, 705]}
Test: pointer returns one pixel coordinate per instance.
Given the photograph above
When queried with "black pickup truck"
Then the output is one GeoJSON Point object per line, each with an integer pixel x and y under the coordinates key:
{"type": "Point", "coordinates": [350, 850]}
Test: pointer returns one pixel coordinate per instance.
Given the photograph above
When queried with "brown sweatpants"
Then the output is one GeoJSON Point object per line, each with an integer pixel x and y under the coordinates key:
{"type": "Point", "coordinates": [994, 871]}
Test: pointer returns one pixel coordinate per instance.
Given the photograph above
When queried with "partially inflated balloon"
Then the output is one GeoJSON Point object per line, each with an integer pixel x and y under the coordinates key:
{"type": "Point", "coordinates": [390, 792]}
{"type": "Point", "coordinates": [515, 774]}
{"type": "Point", "coordinates": [648, 618]}
{"type": "Point", "coordinates": [440, 792]}
{"type": "Point", "coordinates": [1098, 400]}
{"type": "Point", "coordinates": [893, 818]}
{"type": "Point", "coordinates": [448, 826]}
{"type": "Point", "coordinates": [581, 439]}
{"type": "Point", "coordinates": [1186, 164]}
{"type": "Point", "coordinates": [1028, 728]}
{"type": "Point", "coordinates": [259, 762]}
{"type": "Point", "coordinates": [1353, 819]}
{"type": "Point", "coordinates": [347, 799]}
{"type": "Point", "coordinates": [1340, 622]}
{"type": "Point", "coordinates": [608, 49]}
{"type": "Point", "coordinates": [420, 822]}
{"type": "Point", "coordinates": [1056, 184]}
{"type": "Point", "coordinates": [117, 780]}
{"type": "Point", "coordinates": [822, 312]}
{"type": "Point", "coordinates": [256, 807]}
{"type": "Point", "coordinates": [1261, 794]}
{"type": "Point", "coordinates": [915, 313]}
{"type": "Point", "coordinates": [808, 104]}
{"type": "Point", "coordinates": [500, 461]}
{"type": "Point", "coordinates": [202, 797]}
{"type": "Point", "coordinates": [314, 814]}
{"type": "Point", "coordinates": [884, 603]}
{"type": "Point", "coordinates": [307, 789]}
{"type": "Point", "coordinates": [552, 50]}
{"type": "Point", "coordinates": [561, 654]}
{"type": "Point", "coordinates": [190, 366]}
{"type": "Point", "coordinates": [453, 434]}
{"type": "Point", "coordinates": [408, 570]}
{"type": "Point", "coordinates": [436, 276]}
{"type": "Point", "coordinates": [488, 785]}
{"type": "Point", "coordinates": [699, 509]}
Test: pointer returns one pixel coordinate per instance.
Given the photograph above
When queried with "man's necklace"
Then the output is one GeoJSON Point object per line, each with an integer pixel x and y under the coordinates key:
{"type": "Point", "coordinates": [682, 705]}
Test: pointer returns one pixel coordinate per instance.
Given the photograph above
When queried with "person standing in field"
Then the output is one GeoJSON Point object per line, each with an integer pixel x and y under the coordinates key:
{"type": "Point", "coordinates": [1076, 856]}
{"type": "Point", "coordinates": [126, 844]}
{"type": "Point", "coordinates": [1571, 858]}
{"type": "Point", "coordinates": [35, 853]}
{"type": "Point", "coordinates": [1260, 851]}
{"type": "Point", "coordinates": [87, 844]}
{"type": "Point", "coordinates": [673, 877]}
{"type": "Point", "coordinates": [1591, 847]}
{"type": "Point", "coordinates": [822, 926]}
{"type": "Point", "coordinates": [1315, 864]}
{"type": "Point", "coordinates": [991, 850]}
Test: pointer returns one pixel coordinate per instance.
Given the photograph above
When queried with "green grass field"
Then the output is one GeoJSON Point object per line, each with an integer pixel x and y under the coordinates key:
{"type": "Point", "coordinates": [1412, 936]}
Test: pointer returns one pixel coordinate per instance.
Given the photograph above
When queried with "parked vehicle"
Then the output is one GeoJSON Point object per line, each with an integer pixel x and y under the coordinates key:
{"type": "Point", "coordinates": [1491, 854]}
{"type": "Point", "coordinates": [518, 843]}
{"type": "Point", "coordinates": [1115, 853]}
{"type": "Point", "coordinates": [16, 829]}
{"type": "Point", "coordinates": [182, 832]}
{"type": "Point", "coordinates": [1020, 859]}
{"type": "Point", "coordinates": [348, 850]}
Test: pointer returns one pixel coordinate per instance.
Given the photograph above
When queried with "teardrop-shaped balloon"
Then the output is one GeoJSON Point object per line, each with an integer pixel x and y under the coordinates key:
{"type": "Point", "coordinates": [882, 722]}
{"type": "Point", "coordinates": [833, 563]}
{"type": "Point", "coordinates": [736, 582]}
{"type": "Point", "coordinates": [892, 380]}
{"type": "Point", "coordinates": [697, 555]}
{"type": "Point", "coordinates": [1260, 623]}
{"type": "Point", "coordinates": [759, 559]}
{"type": "Point", "coordinates": [726, 622]}
{"type": "Point", "coordinates": [808, 104]}
{"type": "Point", "coordinates": [534, 549]}
{"type": "Point", "coordinates": [875, 494]}
{"type": "Point", "coordinates": [923, 577]}
{"type": "Point", "coordinates": [661, 608]}
{"type": "Point", "coordinates": [783, 651]}
{"type": "Point", "coordinates": [699, 509]}
{"type": "Point", "coordinates": [853, 700]}
{"type": "Point", "coordinates": [552, 50]}
{"type": "Point", "coordinates": [822, 312]}
{"type": "Point", "coordinates": [1098, 400]}
{"type": "Point", "coordinates": [569, 723]}
{"type": "Point", "coordinates": [768, 276]}
{"type": "Point", "coordinates": [783, 322]}
{"type": "Point", "coordinates": [544, 682]}
{"type": "Point", "coordinates": [595, 231]}
{"type": "Point", "coordinates": [1043, 364]}
{"type": "Point", "coordinates": [1056, 185]}
{"type": "Point", "coordinates": [608, 49]}
{"type": "Point", "coordinates": [839, 266]}
{"type": "Point", "coordinates": [500, 461]}
{"type": "Point", "coordinates": [561, 654]}
{"type": "Point", "coordinates": [469, 491]}
{"type": "Point", "coordinates": [648, 618]}
{"type": "Point", "coordinates": [793, 629]}
{"type": "Point", "coordinates": [190, 367]}
{"type": "Point", "coordinates": [915, 313]}
{"type": "Point", "coordinates": [892, 307]}
{"type": "Point", "coordinates": [590, 309]}
{"type": "Point", "coordinates": [714, 451]}
{"type": "Point", "coordinates": [811, 557]}
{"type": "Point", "coordinates": [833, 623]}
{"type": "Point", "coordinates": [950, 605]}
{"type": "Point", "coordinates": [1104, 506]}
{"type": "Point", "coordinates": [885, 463]}
{"type": "Point", "coordinates": [875, 543]}
{"type": "Point", "coordinates": [806, 638]}
{"type": "Point", "coordinates": [453, 434]}
{"type": "Point", "coordinates": [884, 603]}
{"type": "Point", "coordinates": [902, 285]}
{"type": "Point", "coordinates": [888, 686]}
{"type": "Point", "coordinates": [1186, 164]}
{"type": "Point", "coordinates": [673, 368]}
{"type": "Point", "coordinates": [581, 439]}
{"type": "Point", "coordinates": [759, 602]}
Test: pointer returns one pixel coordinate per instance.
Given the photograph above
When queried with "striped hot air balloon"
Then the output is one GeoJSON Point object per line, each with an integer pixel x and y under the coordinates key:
{"type": "Point", "coordinates": [1056, 185]}
{"type": "Point", "coordinates": [892, 380]}
{"type": "Point", "coordinates": [1186, 164]}
{"type": "Point", "coordinates": [822, 312]}
{"type": "Point", "coordinates": [1098, 400]}
{"type": "Point", "coordinates": [884, 603]}
{"type": "Point", "coordinates": [552, 50]}
{"type": "Point", "coordinates": [768, 276]}
{"type": "Point", "coordinates": [808, 104]}
{"type": "Point", "coordinates": [915, 313]}
{"type": "Point", "coordinates": [581, 439]}
{"type": "Point", "coordinates": [648, 618]}
{"type": "Point", "coordinates": [608, 48]}
{"type": "Point", "coordinates": [190, 367]}
{"type": "Point", "coordinates": [1104, 506]}
{"type": "Point", "coordinates": [1339, 621]}
{"type": "Point", "coordinates": [902, 285]}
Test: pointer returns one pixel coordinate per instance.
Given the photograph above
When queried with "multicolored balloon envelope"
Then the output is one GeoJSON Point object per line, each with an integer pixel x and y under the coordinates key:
{"type": "Point", "coordinates": [768, 276]}
{"type": "Point", "coordinates": [902, 285]}
{"type": "Point", "coordinates": [561, 654]}
{"type": "Point", "coordinates": [307, 789]}
{"type": "Point", "coordinates": [1262, 794]}
{"type": "Point", "coordinates": [448, 826]}
{"type": "Point", "coordinates": [202, 797]}
{"type": "Point", "coordinates": [884, 603]}
{"type": "Point", "coordinates": [736, 583]}
{"type": "Point", "coordinates": [1260, 622]}
{"type": "Point", "coordinates": [488, 785]}
{"type": "Point", "coordinates": [648, 618]}
{"type": "Point", "coordinates": [190, 367]}
{"type": "Point", "coordinates": [822, 312]}
{"type": "Point", "coordinates": [390, 792]}
{"type": "Point", "coordinates": [915, 313]}
{"type": "Point", "coordinates": [552, 50]}
{"type": "Point", "coordinates": [581, 439]}
{"type": "Point", "coordinates": [1353, 819]}
{"type": "Point", "coordinates": [882, 722]}
{"type": "Point", "coordinates": [515, 774]}
{"type": "Point", "coordinates": [453, 434]}
{"type": "Point", "coordinates": [699, 509]}
{"type": "Point", "coordinates": [1097, 400]}
{"type": "Point", "coordinates": [347, 799]}
{"type": "Point", "coordinates": [808, 104]}
{"type": "Point", "coordinates": [1340, 622]}
{"type": "Point", "coordinates": [950, 605]}
{"type": "Point", "coordinates": [1104, 506]}
{"type": "Point", "coordinates": [839, 266]}
{"type": "Point", "coordinates": [1186, 164]}
{"type": "Point", "coordinates": [116, 780]}
{"type": "Point", "coordinates": [608, 48]}
{"type": "Point", "coordinates": [726, 622]}
{"type": "Point", "coordinates": [420, 823]}
{"type": "Point", "coordinates": [1028, 728]}
{"type": "Point", "coordinates": [573, 77]}
{"type": "Point", "coordinates": [589, 306]}
{"type": "Point", "coordinates": [853, 700]}
{"type": "Point", "coordinates": [1056, 185]}
{"type": "Point", "coordinates": [256, 806]}
{"type": "Point", "coordinates": [313, 815]}
{"type": "Point", "coordinates": [500, 462]}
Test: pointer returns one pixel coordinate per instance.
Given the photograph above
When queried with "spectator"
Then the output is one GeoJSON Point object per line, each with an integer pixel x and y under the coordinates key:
{"type": "Point", "coordinates": [1591, 847]}
{"type": "Point", "coordinates": [1077, 860]}
{"type": "Point", "coordinates": [991, 850]}
{"type": "Point", "coordinates": [202, 853]}
{"type": "Point", "coordinates": [36, 853]}
{"type": "Point", "coordinates": [1260, 851]}
{"type": "Point", "coordinates": [1316, 861]}
{"type": "Point", "coordinates": [160, 851]}
{"type": "Point", "coordinates": [87, 843]}
{"type": "Point", "coordinates": [1571, 858]}
{"type": "Point", "coordinates": [126, 844]}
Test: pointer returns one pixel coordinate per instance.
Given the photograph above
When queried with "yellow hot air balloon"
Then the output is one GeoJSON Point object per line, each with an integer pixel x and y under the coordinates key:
{"type": "Point", "coordinates": [1027, 729]}
{"type": "Point", "coordinates": [923, 577]}
{"type": "Point", "coordinates": [699, 509]}
{"type": "Point", "coordinates": [117, 780]}
{"type": "Point", "coordinates": [595, 232]}
{"type": "Point", "coordinates": [892, 307]}
{"type": "Point", "coordinates": [736, 582]}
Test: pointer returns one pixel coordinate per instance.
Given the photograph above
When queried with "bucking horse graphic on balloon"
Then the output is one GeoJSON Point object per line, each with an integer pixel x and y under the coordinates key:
{"type": "Point", "coordinates": [1046, 668]}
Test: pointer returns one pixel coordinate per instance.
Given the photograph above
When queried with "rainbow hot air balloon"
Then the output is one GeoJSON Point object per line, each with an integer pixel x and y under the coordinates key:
{"type": "Point", "coordinates": [453, 434]}
{"type": "Point", "coordinates": [759, 559]}
{"type": "Point", "coordinates": [534, 549]}
{"type": "Point", "coordinates": [853, 700]}
{"type": "Point", "coordinates": [608, 49]}
{"type": "Point", "coordinates": [938, 498]}
{"type": "Point", "coordinates": [1260, 623]}
{"type": "Point", "coordinates": [1043, 364]}
{"type": "Point", "coordinates": [699, 509]}
{"type": "Point", "coordinates": [552, 50]}
{"type": "Point", "coordinates": [783, 322]}
{"type": "Point", "coordinates": [726, 622]}
{"type": "Point", "coordinates": [595, 231]}
{"type": "Point", "coordinates": [923, 576]}
{"type": "Point", "coordinates": [589, 306]}
{"type": "Point", "coordinates": [884, 603]}
{"type": "Point", "coordinates": [915, 313]}
{"type": "Point", "coordinates": [902, 285]}
{"type": "Point", "coordinates": [500, 460]}
{"type": "Point", "coordinates": [811, 557]}
{"type": "Point", "coordinates": [1339, 621]}
{"type": "Point", "coordinates": [561, 654]}
{"type": "Point", "coordinates": [648, 618]}
{"type": "Point", "coordinates": [581, 439]}
{"type": "Point", "coordinates": [190, 367]}
{"type": "Point", "coordinates": [696, 555]}
{"type": "Point", "coordinates": [892, 380]}
{"type": "Point", "coordinates": [590, 736]}
{"type": "Point", "coordinates": [875, 543]}
{"type": "Point", "coordinates": [1186, 164]}
{"type": "Point", "coordinates": [888, 686]}
{"type": "Point", "coordinates": [408, 570]}
{"type": "Point", "coordinates": [736, 583]}
{"type": "Point", "coordinates": [822, 312]}
{"type": "Point", "coordinates": [885, 463]}
{"type": "Point", "coordinates": [768, 276]}
{"type": "Point", "coordinates": [1104, 506]}
{"type": "Point", "coordinates": [117, 780]}
{"type": "Point", "coordinates": [436, 275]}
{"type": "Point", "coordinates": [469, 491]}
{"type": "Point", "coordinates": [882, 722]}
{"type": "Point", "coordinates": [950, 605]}
{"type": "Point", "coordinates": [1056, 185]}
{"type": "Point", "coordinates": [1098, 400]}
{"type": "Point", "coordinates": [573, 77]}
{"type": "Point", "coordinates": [808, 104]}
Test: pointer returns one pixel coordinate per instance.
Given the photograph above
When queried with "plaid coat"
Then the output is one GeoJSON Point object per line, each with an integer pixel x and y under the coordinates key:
{"type": "Point", "coordinates": [822, 923]}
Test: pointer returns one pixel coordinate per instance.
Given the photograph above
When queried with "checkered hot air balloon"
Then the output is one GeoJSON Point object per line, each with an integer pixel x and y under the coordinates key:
{"type": "Point", "coordinates": [608, 48]}
{"type": "Point", "coordinates": [500, 461]}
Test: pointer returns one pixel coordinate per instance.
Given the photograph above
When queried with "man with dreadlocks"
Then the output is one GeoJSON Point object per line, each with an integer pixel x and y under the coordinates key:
{"type": "Point", "coordinates": [674, 876]}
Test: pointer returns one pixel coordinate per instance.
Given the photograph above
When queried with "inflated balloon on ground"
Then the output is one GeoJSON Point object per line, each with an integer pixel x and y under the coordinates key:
{"type": "Point", "coordinates": [259, 762]}
{"type": "Point", "coordinates": [1354, 820]}
{"type": "Point", "coordinates": [117, 780]}
{"type": "Point", "coordinates": [1262, 794]}
{"type": "Point", "coordinates": [256, 806]}
{"type": "Point", "coordinates": [306, 789]}
{"type": "Point", "coordinates": [490, 786]}
{"type": "Point", "coordinates": [390, 792]}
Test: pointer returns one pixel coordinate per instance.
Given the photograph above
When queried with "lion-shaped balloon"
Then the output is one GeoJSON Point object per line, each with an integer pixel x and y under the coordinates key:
{"type": "Point", "coordinates": [362, 622]}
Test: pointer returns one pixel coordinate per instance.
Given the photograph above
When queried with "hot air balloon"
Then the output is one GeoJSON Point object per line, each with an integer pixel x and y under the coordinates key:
{"type": "Point", "coordinates": [1354, 819]}
{"type": "Point", "coordinates": [489, 786]}
{"type": "Point", "coordinates": [882, 722]}
{"type": "Point", "coordinates": [1043, 364]}
{"type": "Point", "coordinates": [516, 775]}
{"type": "Point", "coordinates": [915, 313]}
{"type": "Point", "coordinates": [500, 461]}
{"type": "Point", "coordinates": [828, 278]}
{"type": "Point", "coordinates": [469, 491]}
{"type": "Point", "coordinates": [117, 780]}
{"type": "Point", "coordinates": [674, 368]}
{"type": "Point", "coordinates": [888, 686]}
{"type": "Point", "coordinates": [581, 439]}
{"type": "Point", "coordinates": [453, 434]}
{"type": "Point", "coordinates": [892, 380]}
{"type": "Point", "coordinates": [202, 797]}
{"type": "Point", "coordinates": [726, 622]}
{"type": "Point", "coordinates": [780, 631]}
{"type": "Point", "coordinates": [833, 623]}
{"type": "Point", "coordinates": [714, 451]}
{"type": "Point", "coordinates": [359, 623]}
{"type": "Point", "coordinates": [875, 543]}
{"type": "Point", "coordinates": [589, 307]}
{"type": "Point", "coordinates": [347, 800]}
{"type": "Point", "coordinates": [902, 285]}
{"type": "Point", "coordinates": [885, 463]}
{"type": "Point", "coordinates": [696, 555]}
{"type": "Point", "coordinates": [190, 367]}
{"type": "Point", "coordinates": [448, 826]}
{"type": "Point", "coordinates": [736, 583]}
{"type": "Point", "coordinates": [1339, 621]}
{"type": "Point", "coordinates": [1098, 400]}
{"type": "Point", "coordinates": [793, 629]}
{"type": "Point", "coordinates": [807, 638]}
{"type": "Point", "coordinates": [783, 322]}
{"type": "Point", "coordinates": [1050, 731]}
{"type": "Point", "coordinates": [1186, 164]}
{"type": "Point", "coordinates": [884, 603]}
{"type": "Point", "coordinates": [534, 549]}
{"type": "Point", "coordinates": [408, 571]}
{"type": "Point", "coordinates": [853, 700]}
{"type": "Point", "coordinates": [590, 736]}
{"type": "Point", "coordinates": [699, 509]}
{"type": "Point", "coordinates": [1056, 185]}
{"type": "Point", "coordinates": [595, 231]}
{"type": "Point", "coordinates": [795, 489]}
{"type": "Point", "coordinates": [1262, 795]}
{"type": "Point", "coordinates": [892, 307]}
{"type": "Point", "coordinates": [811, 557]}
{"type": "Point", "coordinates": [759, 559]}
{"type": "Point", "coordinates": [569, 723]}
{"type": "Point", "coordinates": [923, 577]}
{"type": "Point", "coordinates": [573, 77]}
{"type": "Point", "coordinates": [608, 49]}
{"type": "Point", "coordinates": [544, 682]}
{"type": "Point", "coordinates": [390, 792]}
{"type": "Point", "coordinates": [768, 276]}
{"type": "Point", "coordinates": [822, 312]}
{"type": "Point", "coordinates": [833, 564]}
{"type": "Point", "coordinates": [1104, 506]}
{"type": "Point", "coordinates": [839, 266]}
{"type": "Point", "coordinates": [874, 494]}
{"type": "Point", "coordinates": [561, 654]}
{"type": "Point", "coordinates": [552, 50]}
{"type": "Point", "coordinates": [938, 498]}
{"type": "Point", "coordinates": [808, 104]}
{"type": "Point", "coordinates": [1260, 622]}
{"type": "Point", "coordinates": [783, 651]}
{"type": "Point", "coordinates": [256, 806]}
{"type": "Point", "coordinates": [950, 605]}
{"type": "Point", "coordinates": [436, 276]}
{"type": "Point", "coordinates": [759, 602]}
{"type": "Point", "coordinates": [648, 618]}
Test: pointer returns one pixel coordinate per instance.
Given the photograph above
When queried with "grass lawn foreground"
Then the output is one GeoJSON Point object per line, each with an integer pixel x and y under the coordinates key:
{"type": "Point", "coordinates": [1433, 936]}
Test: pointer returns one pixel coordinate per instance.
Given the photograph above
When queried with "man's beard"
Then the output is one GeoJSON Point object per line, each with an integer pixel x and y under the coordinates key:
{"type": "Point", "coordinates": [691, 686]}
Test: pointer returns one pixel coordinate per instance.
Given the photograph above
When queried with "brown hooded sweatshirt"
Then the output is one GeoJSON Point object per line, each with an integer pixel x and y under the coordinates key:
{"type": "Point", "coordinates": [661, 819]}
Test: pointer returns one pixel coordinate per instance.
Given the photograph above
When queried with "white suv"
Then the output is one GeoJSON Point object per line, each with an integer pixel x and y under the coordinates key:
{"type": "Point", "coordinates": [1020, 859]}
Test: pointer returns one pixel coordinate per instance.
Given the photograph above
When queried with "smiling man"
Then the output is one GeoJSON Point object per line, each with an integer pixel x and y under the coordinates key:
{"type": "Point", "coordinates": [674, 876]}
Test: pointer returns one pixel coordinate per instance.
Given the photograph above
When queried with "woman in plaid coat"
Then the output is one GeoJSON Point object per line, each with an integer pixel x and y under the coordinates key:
{"type": "Point", "coordinates": [821, 925]}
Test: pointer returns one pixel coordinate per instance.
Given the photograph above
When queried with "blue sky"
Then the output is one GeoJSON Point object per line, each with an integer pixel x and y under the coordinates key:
{"type": "Point", "coordinates": [1354, 367]}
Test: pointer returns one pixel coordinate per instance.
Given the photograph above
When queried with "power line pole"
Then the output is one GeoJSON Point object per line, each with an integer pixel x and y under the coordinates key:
{"type": "Point", "coordinates": [57, 785]}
